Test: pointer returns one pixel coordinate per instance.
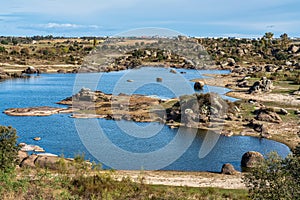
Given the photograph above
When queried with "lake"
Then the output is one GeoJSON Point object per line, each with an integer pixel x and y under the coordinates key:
{"type": "Point", "coordinates": [123, 144]}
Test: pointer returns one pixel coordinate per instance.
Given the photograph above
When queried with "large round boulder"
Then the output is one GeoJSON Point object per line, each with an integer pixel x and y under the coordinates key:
{"type": "Point", "coordinates": [251, 158]}
{"type": "Point", "coordinates": [50, 162]}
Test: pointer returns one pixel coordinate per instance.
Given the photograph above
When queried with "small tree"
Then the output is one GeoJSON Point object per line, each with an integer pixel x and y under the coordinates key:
{"type": "Point", "coordinates": [95, 42]}
{"type": "Point", "coordinates": [284, 40]}
{"type": "Point", "coordinates": [8, 148]}
{"type": "Point", "coordinates": [268, 37]}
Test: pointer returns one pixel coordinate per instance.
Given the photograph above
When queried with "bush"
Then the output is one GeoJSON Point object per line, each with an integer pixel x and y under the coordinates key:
{"type": "Point", "coordinates": [5, 42]}
{"type": "Point", "coordinates": [2, 49]}
{"type": "Point", "coordinates": [275, 178]}
{"type": "Point", "coordinates": [8, 148]}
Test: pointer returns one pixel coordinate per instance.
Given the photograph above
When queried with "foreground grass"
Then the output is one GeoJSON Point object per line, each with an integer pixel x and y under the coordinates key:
{"type": "Point", "coordinates": [79, 182]}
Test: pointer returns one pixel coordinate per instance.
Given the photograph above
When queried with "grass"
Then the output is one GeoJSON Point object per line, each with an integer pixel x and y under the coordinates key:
{"type": "Point", "coordinates": [246, 109]}
{"type": "Point", "coordinates": [78, 181]}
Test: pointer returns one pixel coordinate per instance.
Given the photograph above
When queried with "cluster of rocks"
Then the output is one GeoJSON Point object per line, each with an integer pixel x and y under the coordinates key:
{"type": "Point", "coordinates": [27, 148]}
{"type": "Point", "coordinates": [31, 70]}
{"type": "Point", "coordinates": [7, 75]}
{"type": "Point", "coordinates": [63, 71]}
{"type": "Point", "coordinates": [264, 85]}
{"type": "Point", "coordinates": [85, 94]}
{"type": "Point", "coordinates": [136, 58]}
{"type": "Point", "coordinates": [239, 70]}
{"type": "Point", "coordinates": [191, 110]}
{"type": "Point", "coordinates": [263, 117]}
{"type": "Point", "coordinates": [47, 161]}
{"type": "Point", "coordinates": [260, 128]}
{"type": "Point", "coordinates": [249, 160]}
{"type": "Point", "coordinates": [268, 115]}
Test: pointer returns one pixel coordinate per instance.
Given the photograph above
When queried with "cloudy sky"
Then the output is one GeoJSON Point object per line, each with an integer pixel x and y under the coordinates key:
{"type": "Point", "coordinates": [109, 17]}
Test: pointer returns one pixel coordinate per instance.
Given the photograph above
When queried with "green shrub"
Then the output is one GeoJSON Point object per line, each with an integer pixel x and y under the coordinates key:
{"type": "Point", "coordinates": [8, 148]}
{"type": "Point", "coordinates": [2, 49]}
{"type": "Point", "coordinates": [275, 178]}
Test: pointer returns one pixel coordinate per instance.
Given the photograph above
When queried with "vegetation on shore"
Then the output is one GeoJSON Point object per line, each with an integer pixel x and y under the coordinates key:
{"type": "Point", "coordinates": [78, 180]}
{"type": "Point", "coordinates": [275, 177]}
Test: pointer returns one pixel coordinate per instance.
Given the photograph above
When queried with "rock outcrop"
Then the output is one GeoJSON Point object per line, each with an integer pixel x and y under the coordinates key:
{"type": "Point", "coordinates": [29, 161]}
{"type": "Point", "coordinates": [191, 110]}
{"type": "Point", "coordinates": [85, 94]}
{"type": "Point", "coordinates": [264, 85]}
{"type": "Point", "coordinates": [31, 70]}
{"type": "Point", "coordinates": [22, 155]}
{"type": "Point", "coordinates": [266, 115]}
{"type": "Point", "coordinates": [50, 161]}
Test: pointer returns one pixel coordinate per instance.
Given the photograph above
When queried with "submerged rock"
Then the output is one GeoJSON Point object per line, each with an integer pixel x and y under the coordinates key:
{"type": "Point", "coordinates": [159, 79]}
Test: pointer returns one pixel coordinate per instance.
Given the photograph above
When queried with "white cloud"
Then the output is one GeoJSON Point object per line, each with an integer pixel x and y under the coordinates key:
{"type": "Point", "coordinates": [66, 26]}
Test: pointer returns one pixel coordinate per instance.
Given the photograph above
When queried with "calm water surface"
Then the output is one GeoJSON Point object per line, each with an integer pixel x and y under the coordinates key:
{"type": "Point", "coordinates": [60, 136]}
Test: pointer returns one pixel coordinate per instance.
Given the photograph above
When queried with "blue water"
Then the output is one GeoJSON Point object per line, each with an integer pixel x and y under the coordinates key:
{"type": "Point", "coordinates": [120, 144]}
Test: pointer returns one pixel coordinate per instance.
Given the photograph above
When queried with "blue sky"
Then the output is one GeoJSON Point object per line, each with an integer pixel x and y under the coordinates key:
{"type": "Point", "coordinates": [190, 17]}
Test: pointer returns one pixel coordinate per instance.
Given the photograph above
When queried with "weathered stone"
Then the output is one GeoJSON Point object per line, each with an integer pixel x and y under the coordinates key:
{"type": "Point", "coordinates": [85, 94]}
{"type": "Point", "coordinates": [264, 85]}
{"type": "Point", "coordinates": [173, 71]}
{"type": "Point", "coordinates": [37, 138]}
{"type": "Point", "coordinates": [147, 52]}
{"type": "Point", "coordinates": [296, 92]}
{"type": "Point", "coordinates": [29, 161]}
{"type": "Point", "coordinates": [251, 159]}
{"type": "Point", "coordinates": [231, 61]}
{"type": "Point", "coordinates": [243, 84]}
{"type": "Point", "coordinates": [199, 85]}
{"type": "Point", "coordinates": [283, 111]}
{"type": "Point", "coordinates": [270, 68]}
{"type": "Point", "coordinates": [30, 70]}
{"type": "Point", "coordinates": [268, 116]}
{"type": "Point", "coordinates": [50, 162]}
{"type": "Point", "coordinates": [293, 48]}
{"type": "Point", "coordinates": [288, 63]}
{"type": "Point", "coordinates": [228, 169]}
{"type": "Point", "coordinates": [159, 79]}
{"type": "Point", "coordinates": [61, 71]}
{"type": "Point", "coordinates": [22, 155]}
